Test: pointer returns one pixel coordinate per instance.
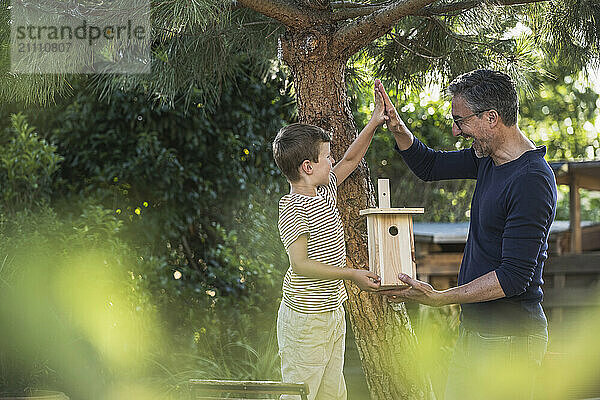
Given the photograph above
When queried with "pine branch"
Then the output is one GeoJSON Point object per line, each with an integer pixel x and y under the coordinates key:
{"type": "Point", "coordinates": [356, 10]}
{"type": "Point", "coordinates": [569, 31]}
{"type": "Point", "coordinates": [467, 39]}
{"type": "Point", "coordinates": [418, 51]}
{"type": "Point", "coordinates": [455, 8]}
{"type": "Point", "coordinates": [357, 34]}
{"type": "Point", "coordinates": [421, 50]}
{"type": "Point", "coordinates": [337, 5]}
{"type": "Point", "coordinates": [194, 60]}
{"type": "Point", "coordinates": [286, 12]}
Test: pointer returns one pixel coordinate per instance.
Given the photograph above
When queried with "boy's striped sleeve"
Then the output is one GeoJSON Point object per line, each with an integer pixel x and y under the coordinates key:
{"type": "Point", "coordinates": [293, 222]}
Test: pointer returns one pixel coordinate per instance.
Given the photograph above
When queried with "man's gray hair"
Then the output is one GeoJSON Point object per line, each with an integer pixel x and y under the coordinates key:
{"type": "Point", "coordinates": [484, 89]}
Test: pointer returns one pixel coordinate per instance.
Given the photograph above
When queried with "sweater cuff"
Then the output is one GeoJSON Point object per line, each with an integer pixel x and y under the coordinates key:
{"type": "Point", "coordinates": [411, 151]}
{"type": "Point", "coordinates": [511, 285]}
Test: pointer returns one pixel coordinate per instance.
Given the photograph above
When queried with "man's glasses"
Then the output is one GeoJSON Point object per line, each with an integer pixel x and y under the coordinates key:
{"type": "Point", "coordinates": [458, 120]}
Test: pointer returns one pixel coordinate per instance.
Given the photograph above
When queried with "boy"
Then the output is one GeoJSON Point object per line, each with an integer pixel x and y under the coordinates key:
{"type": "Point", "coordinates": [311, 326]}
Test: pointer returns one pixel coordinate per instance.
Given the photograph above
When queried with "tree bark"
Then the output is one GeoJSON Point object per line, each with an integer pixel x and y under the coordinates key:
{"type": "Point", "coordinates": [385, 339]}
{"type": "Point", "coordinates": [288, 12]}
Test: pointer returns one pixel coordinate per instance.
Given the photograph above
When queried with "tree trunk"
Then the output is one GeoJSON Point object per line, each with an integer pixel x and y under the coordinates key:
{"type": "Point", "coordinates": [384, 337]}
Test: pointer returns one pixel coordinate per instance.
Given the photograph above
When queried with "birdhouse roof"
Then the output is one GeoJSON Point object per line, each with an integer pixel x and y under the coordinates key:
{"type": "Point", "coordinates": [370, 211]}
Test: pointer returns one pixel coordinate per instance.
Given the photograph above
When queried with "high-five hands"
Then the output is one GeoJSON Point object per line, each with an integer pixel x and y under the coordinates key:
{"type": "Point", "coordinates": [379, 115]}
{"type": "Point", "coordinates": [402, 134]}
{"type": "Point", "coordinates": [393, 121]}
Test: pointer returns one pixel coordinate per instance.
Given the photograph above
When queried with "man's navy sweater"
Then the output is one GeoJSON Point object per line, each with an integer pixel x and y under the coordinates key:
{"type": "Point", "coordinates": [512, 209]}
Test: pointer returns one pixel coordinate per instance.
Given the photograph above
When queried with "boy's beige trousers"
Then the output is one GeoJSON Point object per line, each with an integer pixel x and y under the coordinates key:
{"type": "Point", "coordinates": [311, 347]}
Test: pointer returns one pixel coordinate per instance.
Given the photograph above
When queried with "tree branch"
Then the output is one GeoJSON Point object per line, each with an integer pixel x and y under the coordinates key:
{"type": "Point", "coordinates": [336, 5]}
{"type": "Point", "coordinates": [415, 52]}
{"type": "Point", "coordinates": [465, 39]}
{"type": "Point", "coordinates": [285, 11]}
{"type": "Point", "coordinates": [356, 34]}
{"type": "Point", "coordinates": [452, 9]}
{"type": "Point", "coordinates": [188, 253]}
{"type": "Point", "coordinates": [356, 10]}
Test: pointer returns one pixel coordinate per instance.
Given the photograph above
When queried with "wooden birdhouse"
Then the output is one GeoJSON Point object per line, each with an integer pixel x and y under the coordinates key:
{"type": "Point", "coordinates": [391, 241]}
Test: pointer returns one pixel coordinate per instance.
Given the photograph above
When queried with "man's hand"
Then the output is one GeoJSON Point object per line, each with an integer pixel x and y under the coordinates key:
{"type": "Point", "coordinates": [366, 280]}
{"type": "Point", "coordinates": [418, 291]}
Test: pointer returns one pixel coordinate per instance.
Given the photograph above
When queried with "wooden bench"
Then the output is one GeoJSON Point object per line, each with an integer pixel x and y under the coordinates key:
{"type": "Point", "coordinates": [215, 389]}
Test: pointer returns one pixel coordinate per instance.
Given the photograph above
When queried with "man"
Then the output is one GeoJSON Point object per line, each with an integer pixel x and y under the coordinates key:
{"type": "Point", "coordinates": [503, 333]}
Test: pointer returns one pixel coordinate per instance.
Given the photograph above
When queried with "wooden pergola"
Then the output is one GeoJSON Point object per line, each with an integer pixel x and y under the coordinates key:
{"type": "Point", "coordinates": [578, 175]}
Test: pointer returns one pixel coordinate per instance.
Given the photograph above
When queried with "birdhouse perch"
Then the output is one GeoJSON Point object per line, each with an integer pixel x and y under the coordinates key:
{"type": "Point", "coordinates": [391, 242]}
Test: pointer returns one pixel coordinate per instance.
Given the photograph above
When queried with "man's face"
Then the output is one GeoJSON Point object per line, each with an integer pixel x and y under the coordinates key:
{"type": "Point", "coordinates": [322, 169]}
{"type": "Point", "coordinates": [473, 126]}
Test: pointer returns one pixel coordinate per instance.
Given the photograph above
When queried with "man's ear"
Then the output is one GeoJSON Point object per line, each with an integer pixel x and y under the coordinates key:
{"type": "Point", "coordinates": [493, 118]}
{"type": "Point", "coordinates": [306, 167]}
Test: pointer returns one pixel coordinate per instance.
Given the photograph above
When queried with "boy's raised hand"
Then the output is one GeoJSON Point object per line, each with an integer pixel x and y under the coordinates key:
{"type": "Point", "coordinates": [366, 280]}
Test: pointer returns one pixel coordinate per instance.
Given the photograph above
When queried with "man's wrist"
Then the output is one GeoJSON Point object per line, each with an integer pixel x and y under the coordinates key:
{"type": "Point", "coordinates": [399, 129]}
{"type": "Point", "coordinates": [446, 297]}
{"type": "Point", "coordinates": [440, 299]}
{"type": "Point", "coordinates": [404, 140]}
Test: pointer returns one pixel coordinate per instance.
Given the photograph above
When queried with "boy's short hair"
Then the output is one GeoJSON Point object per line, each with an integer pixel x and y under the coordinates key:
{"type": "Point", "coordinates": [294, 144]}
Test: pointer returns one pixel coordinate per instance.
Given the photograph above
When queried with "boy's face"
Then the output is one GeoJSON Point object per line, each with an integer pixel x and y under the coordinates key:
{"type": "Point", "coordinates": [322, 169]}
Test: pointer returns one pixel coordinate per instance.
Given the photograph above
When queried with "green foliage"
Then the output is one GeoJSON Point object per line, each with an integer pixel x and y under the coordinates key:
{"type": "Point", "coordinates": [77, 322]}
{"type": "Point", "coordinates": [437, 332]}
{"type": "Point", "coordinates": [194, 197]}
{"type": "Point", "coordinates": [524, 41]}
{"type": "Point", "coordinates": [569, 32]}
{"type": "Point", "coordinates": [200, 50]}
{"type": "Point", "coordinates": [178, 181]}
{"type": "Point", "coordinates": [89, 315]}
{"type": "Point", "coordinates": [182, 207]}
{"type": "Point", "coordinates": [27, 165]}
{"type": "Point", "coordinates": [565, 117]}
{"type": "Point", "coordinates": [213, 357]}
{"type": "Point", "coordinates": [441, 47]}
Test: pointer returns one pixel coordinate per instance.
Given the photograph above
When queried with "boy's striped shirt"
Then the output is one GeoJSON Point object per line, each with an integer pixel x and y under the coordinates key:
{"type": "Point", "coordinates": [317, 217]}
